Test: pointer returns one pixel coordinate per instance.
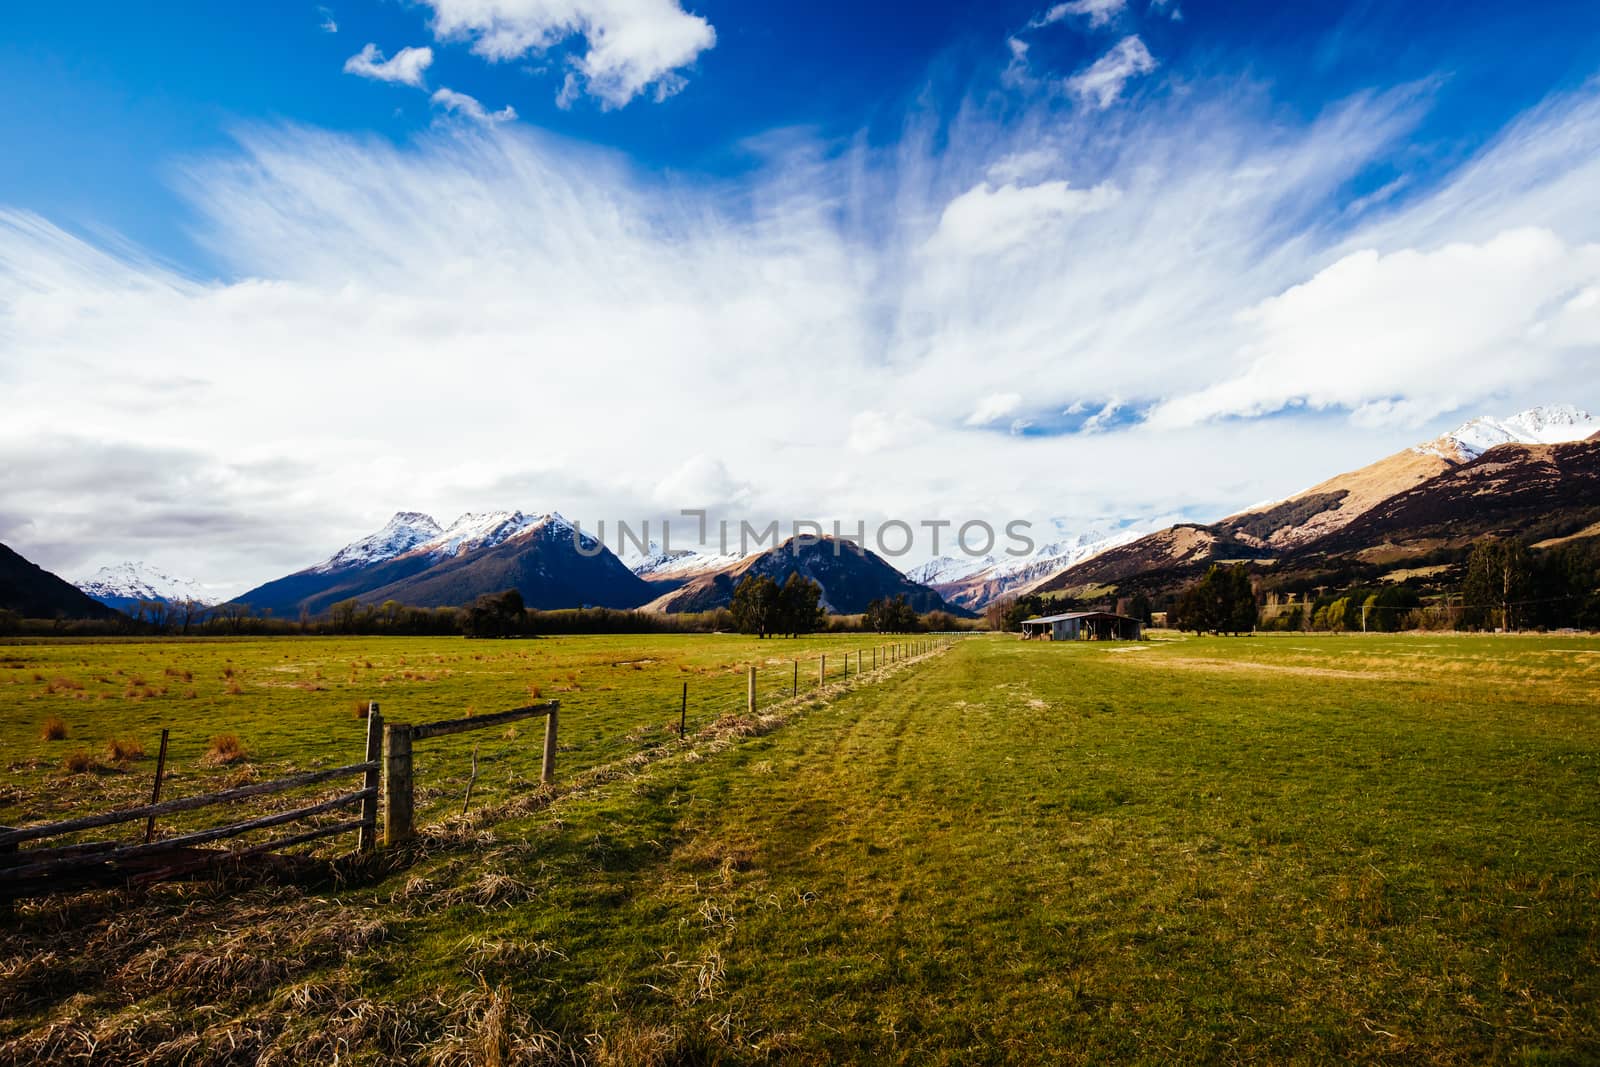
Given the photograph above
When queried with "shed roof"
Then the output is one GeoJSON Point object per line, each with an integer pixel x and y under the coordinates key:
{"type": "Point", "coordinates": [1080, 615]}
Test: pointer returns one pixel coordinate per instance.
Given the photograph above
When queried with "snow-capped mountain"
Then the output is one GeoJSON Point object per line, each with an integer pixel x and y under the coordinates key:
{"type": "Point", "coordinates": [405, 531]}
{"type": "Point", "coordinates": [972, 582]}
{"type": "Point", "coordinates": [124, 584]}
{"type": "Point", "coordinates": [657, 565]}
{"type": "Point", "coordinates": [474, 530]}
{"type": "Point", "coordinates": [1553, 425]}
{"type": "Point", "coordinates": [942, 570]}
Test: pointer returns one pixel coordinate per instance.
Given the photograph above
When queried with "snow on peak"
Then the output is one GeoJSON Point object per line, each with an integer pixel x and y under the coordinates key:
{"type": "Point", "coordinates": [948, 569]}
{"type": "Point", "coordinates": [140, 581]}
{"type": "Point", "coordinates": [478, 529]}
{"type": "Point", "coordinates": [1552, 425]}
{"type": "Point", "coordinates": [1015, 571]}
{"type": "Point", "coordinates": [405, 531]}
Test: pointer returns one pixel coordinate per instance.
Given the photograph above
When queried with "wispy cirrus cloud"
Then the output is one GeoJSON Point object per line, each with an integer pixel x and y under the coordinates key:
{"type": "Point", "coordinates": [1097, 12]}
{"type": "Point", "coordinates": [858, 323]}
{"type": "Point", "coordinates": [1102, 83]}
{"type": "Point", "coordinates": [470, 107]}
{"type": "Point", "coordinates": [406, 67]}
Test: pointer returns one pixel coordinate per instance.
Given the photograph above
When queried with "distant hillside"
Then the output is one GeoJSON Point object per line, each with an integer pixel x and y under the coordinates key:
{"type": "Point", "coordinates": [1153, 562]}
{"type": "Point", "coordinates": [850, 577]}
{"type": "Point", "coordinates": [35, 593]}
{"type": "Point", "coordinates": [1515, 490]}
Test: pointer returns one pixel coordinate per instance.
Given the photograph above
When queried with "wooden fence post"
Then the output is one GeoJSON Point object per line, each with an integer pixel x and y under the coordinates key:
{"type": "Point", "coordinates": [396, 790]}
{"type": "Point", "coordinates": [858, 661]}
{"type": "Point", "coordinates": [822, 672]}
{"type": "Point", "coordinates": [796, 691]}
{"type": "Point", "coordinates": [750, 695]}
{"type": "Point", "coordinates": [368, 837]}
{"type": "Point", "coordinates": [683, 711]}
{"type": "Point", "coordinates": [547, 771]}
{"type": "Point", "coordinates": [155, 790]}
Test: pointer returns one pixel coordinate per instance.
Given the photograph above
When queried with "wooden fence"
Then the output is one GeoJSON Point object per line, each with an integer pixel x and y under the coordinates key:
{"type": "Point", "coordinates": [386, 799]}
{"type": "Point", "coordinates": [386, 784]}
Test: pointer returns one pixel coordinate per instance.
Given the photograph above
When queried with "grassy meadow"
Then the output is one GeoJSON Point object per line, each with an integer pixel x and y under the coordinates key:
{"type": "Point", "coordinates": [1285, 849]}
{"type": "Point", "coordinates": [296, 704]}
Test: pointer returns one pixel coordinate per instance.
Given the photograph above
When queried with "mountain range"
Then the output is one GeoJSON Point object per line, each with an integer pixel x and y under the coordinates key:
{"type": "Point", "coordinates": [415, 561]}
{"type": "Point", "coordinates": [1533, 474]}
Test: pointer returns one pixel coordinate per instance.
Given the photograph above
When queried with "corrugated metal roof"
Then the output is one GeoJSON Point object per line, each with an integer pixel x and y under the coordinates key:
{"type": "Point", "coordinates": [1080, 615]}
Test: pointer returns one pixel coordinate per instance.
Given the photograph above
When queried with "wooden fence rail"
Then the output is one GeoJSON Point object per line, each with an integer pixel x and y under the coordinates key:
{"type": "Point", "coordinates": [396, 792]}
{"type": "Point", "coordinates": [170, 807]}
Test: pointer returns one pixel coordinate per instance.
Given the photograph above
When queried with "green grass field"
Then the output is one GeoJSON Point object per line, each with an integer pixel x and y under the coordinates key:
{"type": "Point", "coordinates": [293, 705]}
{"type": "Point", "coordinates": [1290, 849]}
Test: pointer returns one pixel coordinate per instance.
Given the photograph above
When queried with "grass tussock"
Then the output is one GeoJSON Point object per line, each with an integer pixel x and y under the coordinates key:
{"type": "Point", "coordinates": [224, 750]}
{"type": "Point", "coordinates": [54, 728]}
{"type": "Point", "coordinates": [80, 761]}
{"type": "Point", "coordinates": [123, 750]}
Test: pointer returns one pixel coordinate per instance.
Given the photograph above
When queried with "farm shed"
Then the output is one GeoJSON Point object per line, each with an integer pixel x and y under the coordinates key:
{"type": "Point", "coordinates": [1083, 626]}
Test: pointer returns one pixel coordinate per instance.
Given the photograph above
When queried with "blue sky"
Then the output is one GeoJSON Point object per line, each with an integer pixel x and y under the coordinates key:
{"type": "Point", "coordinates": [746, 254]}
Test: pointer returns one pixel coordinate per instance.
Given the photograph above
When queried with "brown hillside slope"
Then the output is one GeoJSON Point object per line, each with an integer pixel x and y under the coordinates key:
{"type": "Point", "coordinates": [1335, 503]}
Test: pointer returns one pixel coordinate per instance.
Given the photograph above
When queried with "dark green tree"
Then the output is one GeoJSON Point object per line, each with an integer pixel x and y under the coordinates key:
{"type": "Point", "coordinates": [800, 605]}
{"type": "Point", "coordinates": [1497, 578]}
{"type": "Point", "coordinates": [757, 605]}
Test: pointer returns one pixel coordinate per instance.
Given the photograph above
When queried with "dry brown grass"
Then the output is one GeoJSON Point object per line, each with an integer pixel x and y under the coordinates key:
{"type": "Point", "coordinates": [224, 749]}
{"type": "Point", "coordinates": [53, 729]}
{"type": "Point", "coordinates": [122, 750]}
{"type": "Point", "coordinates": [80, 761]}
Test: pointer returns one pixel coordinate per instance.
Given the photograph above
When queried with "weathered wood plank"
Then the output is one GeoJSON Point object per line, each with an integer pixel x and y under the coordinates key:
{"type": "Point", "coordinates": [477, 722]}
{"type": "Point", "coordinates": [168, 807]}
{"type": "Point", "coordinates": [198, 837]}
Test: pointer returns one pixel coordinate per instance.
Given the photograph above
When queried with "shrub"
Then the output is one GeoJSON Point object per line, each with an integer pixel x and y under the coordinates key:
{"type": "Point", "coordinates": [54, 729]}
{"type": "Point", "coordinates": [121, 751]}
{"type": "Point", "coordinates": [361, 708]}
{"type": "Point", "coordinates": [224, 749]}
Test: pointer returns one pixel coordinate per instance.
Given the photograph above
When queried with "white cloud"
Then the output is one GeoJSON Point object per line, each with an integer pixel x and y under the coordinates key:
{"type": "Point", "coordinates": [508, 319]}
{"type": "Point", "coordinates": [994, 407]}
{"type": "Point", "coordinates": [631, 46]}
{"type": "Point", "coordinates": [406, 68]}
{"type": "Point", "coordinates": [468, 106]}
{"type": "Point", "coordinates": [880, 431]}
{"type": "Point", "coordinates": [1016, 75]}
{"type": "Point", "coordinates": [1021, 166]}
{"type": "Point", "coordinates": [1102, 83]}
{"type": "Point", "coordinates": [1168, 8]}
{"type": "Point", "coordinates": [1098, 12]}
{"type": "Point", "coordinates": [987, 219]}
{"type": "Point", "coordinates": [328, 24]}
{"type": "Point", "coordinates": [1459, 320]}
